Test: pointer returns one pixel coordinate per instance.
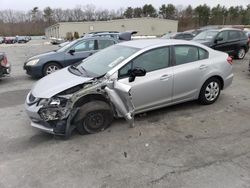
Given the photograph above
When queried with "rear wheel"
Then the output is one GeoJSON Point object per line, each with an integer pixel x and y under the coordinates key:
{"type": "Point", "coordinates": [94, 117]}
{"type": "Point", "coordinates": [241, 53]}
{"type": "Point", "coordinates": [210, 91]}
{"type": "Point", "coordinates": [50, 68]}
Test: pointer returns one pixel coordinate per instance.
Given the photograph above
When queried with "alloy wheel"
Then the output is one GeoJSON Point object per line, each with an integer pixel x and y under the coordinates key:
{"type": "Point", "coordinates": [212, 91]}
{"type": "Point", "coordinates": [241, 53]}
{"type": "Point", "coordinates": [52, 68]}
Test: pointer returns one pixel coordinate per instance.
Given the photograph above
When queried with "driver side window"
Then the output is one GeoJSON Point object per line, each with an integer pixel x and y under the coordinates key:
{"type": "Point", "coordinates": [85, 46]}
{"type": "Point", "coordinates": [150, 61]}
{"type": "Point", "coordinates": [222, 35]}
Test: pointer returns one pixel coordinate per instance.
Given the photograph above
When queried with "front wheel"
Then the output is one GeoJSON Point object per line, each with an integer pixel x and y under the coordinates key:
{"type": "Point", "coordinates": [210, 91]}
{"type": "Point", "coordinates": [241, 53]}
{"type": "Point", "coordinates": [50, 68]}
{"type": "Point", "coordinates": [94, 117]}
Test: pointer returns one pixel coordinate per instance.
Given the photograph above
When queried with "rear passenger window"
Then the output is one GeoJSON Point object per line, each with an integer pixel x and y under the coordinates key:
{"type": "Point", "coordinates": [104, 43]}
{"type": "Point", "coordinates": [234, 35]}
{"type": "Point", "coordinates": [186, 54]}
{"type": "Point", "coordinates": [203, 54]}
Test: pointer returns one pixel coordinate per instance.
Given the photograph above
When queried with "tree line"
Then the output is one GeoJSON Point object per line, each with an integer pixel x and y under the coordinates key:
{"type": "Point", "coordinates": [34, 22]}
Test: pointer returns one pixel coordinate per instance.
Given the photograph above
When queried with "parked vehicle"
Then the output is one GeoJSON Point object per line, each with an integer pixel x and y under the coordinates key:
{"type": "Point", "coordinates": [47, 63]}
{"type": "Point", "coordinates": [10, 40]}
{"type": "Point", "coordinates": [232, 41]}
{"type": "Point", "coordinates": [121, 36]}
{"type": "Point", "coordinates": [56, 41]}
{"type": "Point", "coordinates": [4, 65]}
{"type": "Point", "coordinates": [126, 79]}
{"type": "Point", "coordinates": [22, 39]}
{"type": "Point", "coordinates": [1, 40]}
{"type": "Point", "coordinates": [179, 35]}
{"type": "Point", "coordinates": [64, 44]}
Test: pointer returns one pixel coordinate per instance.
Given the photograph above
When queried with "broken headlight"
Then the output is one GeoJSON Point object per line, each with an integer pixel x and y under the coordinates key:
{"type": "Point", "coordinates": [53, 102]}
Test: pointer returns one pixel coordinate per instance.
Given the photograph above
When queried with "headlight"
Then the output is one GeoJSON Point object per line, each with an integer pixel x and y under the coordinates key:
{"type": "Point", "coordinates": [44, 102]}
{"type": "Point", "coordinates": [32, 62]}
{"type": "Point", "coordinates": [50, 102]}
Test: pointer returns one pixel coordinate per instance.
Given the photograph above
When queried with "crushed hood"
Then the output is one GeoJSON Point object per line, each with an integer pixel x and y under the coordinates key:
{"type": "Point", "coordinates": [57, 82]}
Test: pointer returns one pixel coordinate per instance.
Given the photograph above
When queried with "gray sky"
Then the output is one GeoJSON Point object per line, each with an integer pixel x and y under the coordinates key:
{"type": "Point", "coordinates": [110, 4]}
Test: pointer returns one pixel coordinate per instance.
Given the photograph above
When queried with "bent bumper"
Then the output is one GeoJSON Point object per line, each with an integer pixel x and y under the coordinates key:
{"type": "Point", "coordinates": [53, 127]}
{"type": "Point", "coordinates": [43, 128]}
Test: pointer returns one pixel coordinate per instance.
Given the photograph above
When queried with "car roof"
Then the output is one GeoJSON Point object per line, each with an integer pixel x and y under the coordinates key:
{"type": "Point", "coordinates": [95, 38]}
{"type": "Point", "coordinates": [145, 43]}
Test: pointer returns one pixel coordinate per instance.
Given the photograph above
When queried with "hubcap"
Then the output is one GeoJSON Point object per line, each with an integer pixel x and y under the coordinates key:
{"type": "Point", "coordinates": [94, 121]}
{"type": "Point", "coordinates": [241, 53]}
{"type": "Point", "coordinates": [212, 91]}
{"type": "Point", "coordinates": [51, 69]}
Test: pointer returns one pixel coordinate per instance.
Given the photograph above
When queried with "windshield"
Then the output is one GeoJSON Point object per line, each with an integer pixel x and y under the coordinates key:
{"type": "Point", "coordinates": [62, 49]}
{"type": "Point", "coordinates": [206, 35]}
{"type": "Point", "coordinates": [103, 61]}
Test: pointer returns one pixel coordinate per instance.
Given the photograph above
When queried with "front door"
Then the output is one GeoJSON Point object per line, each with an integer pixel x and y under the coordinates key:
{"type": "Point", "coordinates": [82, 50]}
{"type": "Point", "coordinates": [222, 44]}
{"type": "Point", "coordinates": [155, 88]}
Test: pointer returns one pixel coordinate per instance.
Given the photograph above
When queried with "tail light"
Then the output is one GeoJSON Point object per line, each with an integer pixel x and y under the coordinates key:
{"type": "Point", "coordinates": [4, 62]}
{"type": "Point", "coordinates": [230, 60]}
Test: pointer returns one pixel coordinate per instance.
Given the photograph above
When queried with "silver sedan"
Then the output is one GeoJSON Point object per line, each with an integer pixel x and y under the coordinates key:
{"type": "Point", "coordinates": [124, 80]}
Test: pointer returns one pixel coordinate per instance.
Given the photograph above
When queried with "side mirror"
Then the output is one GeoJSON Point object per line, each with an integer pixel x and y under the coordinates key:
{"type": "Point", "coordinates": [133, 73]}
{"type": "Point", "coordinates": [218, 39]}
{"type": "Point", "coordinates": [72, 51]}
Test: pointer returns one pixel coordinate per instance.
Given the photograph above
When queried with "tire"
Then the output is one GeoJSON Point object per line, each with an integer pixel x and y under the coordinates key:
{"type": "Point", "coordinates": [50, 68]}
{"type": "Point", "coordinates": [210, 91]}
{"type": "Point", "coordinates": [93, 117]}
{"type": "Point", "coordinates": [241, 53]}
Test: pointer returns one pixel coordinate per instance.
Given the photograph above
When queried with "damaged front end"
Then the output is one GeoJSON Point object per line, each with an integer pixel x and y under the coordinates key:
{"type": "Point", "coordinates": [57, 115]}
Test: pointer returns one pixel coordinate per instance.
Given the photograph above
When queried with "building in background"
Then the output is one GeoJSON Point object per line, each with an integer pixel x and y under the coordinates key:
{"type": "Point", "coordinates": [144, 26]}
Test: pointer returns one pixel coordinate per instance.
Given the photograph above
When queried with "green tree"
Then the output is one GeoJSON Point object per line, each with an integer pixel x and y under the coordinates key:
{"type": "Point", "coordinates": [48, 15]}
{"type": "Point", "coordinates": [149, 11]}
{"type": "Point", "coordinates": [34, 12]}
{"type": "Point", "coordinates": [168, 12]}
{"type": "Point", "coordinates": [246, 17]}
{"type": "Point", "coordinates": [217, 15]}
{"type": "Point", "coordinates": [202, 13]}
{"type": "Point", "coordinates": [129, 12]}
{"type": "Point", "coordinates": [137, 12]}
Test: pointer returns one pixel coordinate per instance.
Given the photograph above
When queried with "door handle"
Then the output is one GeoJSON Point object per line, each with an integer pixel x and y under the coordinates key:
{"type": "Point", "coordinates": [165, 77]}
{"type": "Point", "coordinates": [202, 67]}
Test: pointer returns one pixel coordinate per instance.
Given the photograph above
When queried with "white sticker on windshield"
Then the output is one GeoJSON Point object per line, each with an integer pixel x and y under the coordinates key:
{"type": "Point", "coordinates": [115, 62]}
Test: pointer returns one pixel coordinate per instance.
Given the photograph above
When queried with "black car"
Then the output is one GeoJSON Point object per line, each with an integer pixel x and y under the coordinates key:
{"type": "Point", "coordinates": [4, 65]}
{"type": "Point", "coordinates": [179, 35]}
{"type": "Point", "coordinates": [75, 51]}
{"type": "Point", "coordinates": [229, 40]}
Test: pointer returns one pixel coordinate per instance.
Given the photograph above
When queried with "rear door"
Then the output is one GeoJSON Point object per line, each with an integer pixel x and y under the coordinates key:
{"type": "Point", "coordinates": [222, 45]}
{"type": "Point", "coordinates": [234, 38]}
{"type": "Point", "coordinates": [190, 66]}
{"type": "Point", "coordinates": [155, 88]}
{"type": "Point", "coordinates": [83, 49]}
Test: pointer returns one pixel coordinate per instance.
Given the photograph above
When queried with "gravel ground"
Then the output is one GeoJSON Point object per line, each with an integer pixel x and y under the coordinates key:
{"type": "Point", "coordinates": [186, 145]}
